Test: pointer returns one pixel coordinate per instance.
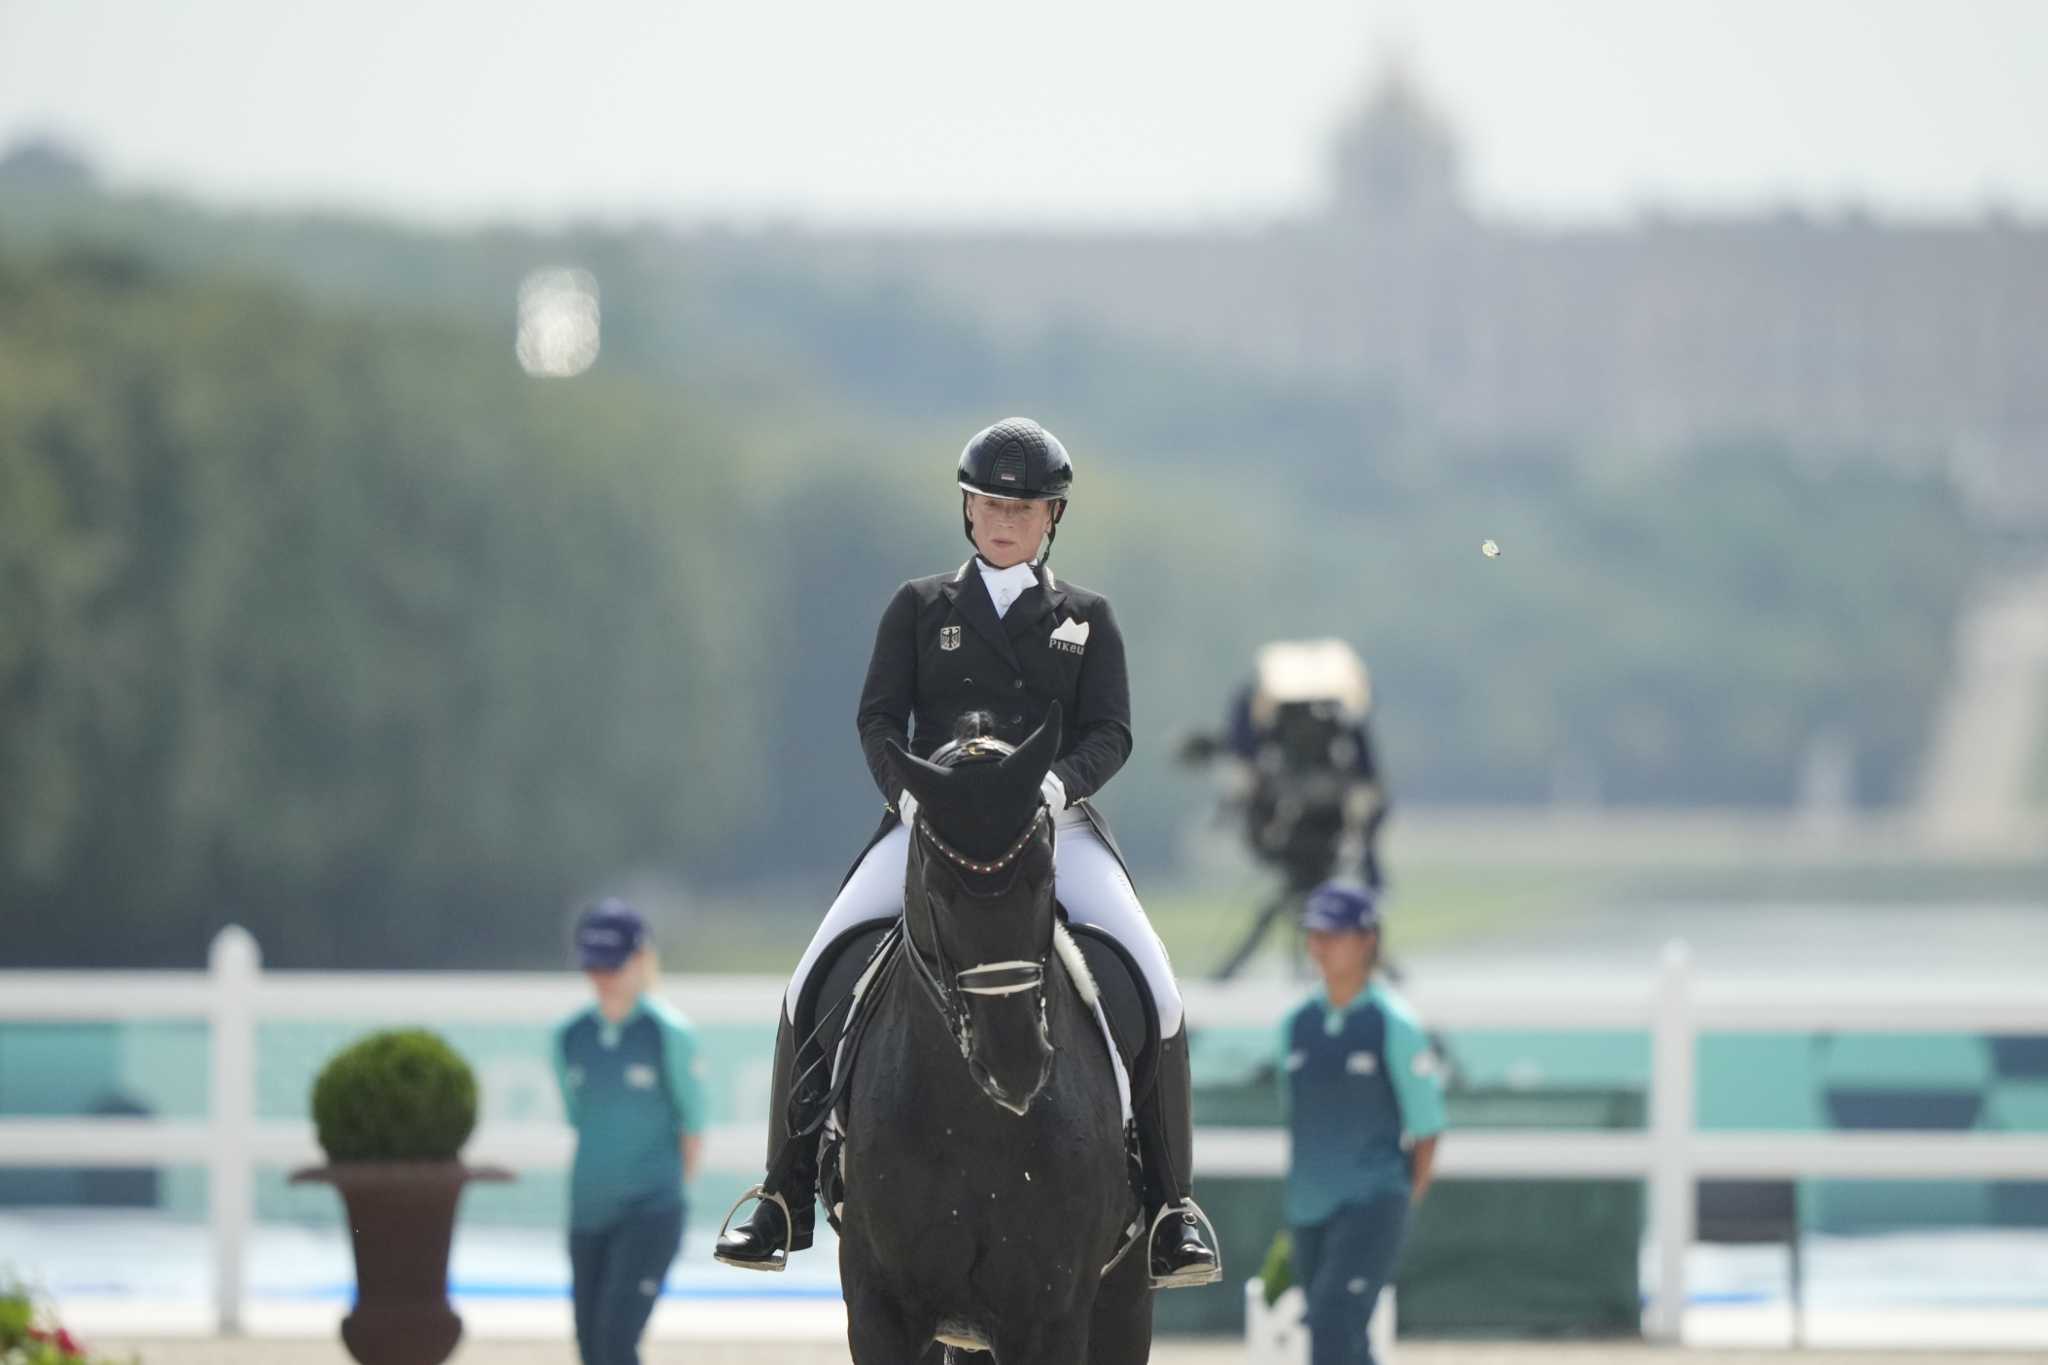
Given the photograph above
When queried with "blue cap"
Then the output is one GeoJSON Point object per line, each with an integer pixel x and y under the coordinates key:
{"type": "Point", "coordinates": [608, 934]}
{"type": "Point", "coordinates": [1339, 907]}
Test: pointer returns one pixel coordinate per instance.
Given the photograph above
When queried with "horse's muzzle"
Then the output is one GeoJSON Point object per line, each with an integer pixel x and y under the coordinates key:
{"type": "Point", "coordinates": [1015, 1099]}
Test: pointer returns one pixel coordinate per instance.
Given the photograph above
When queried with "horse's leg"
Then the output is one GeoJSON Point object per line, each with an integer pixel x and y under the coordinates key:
{"type": "Point", "coordinates": [1121, 1333]}
{"type": "Point", "coordinates": [1045, 1342]}
{"type": "Point", "coordinates": [877, 1332]}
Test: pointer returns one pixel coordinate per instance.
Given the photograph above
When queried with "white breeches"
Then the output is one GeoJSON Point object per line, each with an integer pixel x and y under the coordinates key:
{"type": "Point", "coordinates": [1086, 877]}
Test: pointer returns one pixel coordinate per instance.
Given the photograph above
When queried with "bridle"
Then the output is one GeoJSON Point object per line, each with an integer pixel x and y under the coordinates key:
{"type": "Point", "coordinates": [948, 986]}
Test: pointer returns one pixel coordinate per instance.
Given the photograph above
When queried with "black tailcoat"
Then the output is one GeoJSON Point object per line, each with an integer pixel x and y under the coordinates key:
{"type": "Point", "coordinates": [942, 651]}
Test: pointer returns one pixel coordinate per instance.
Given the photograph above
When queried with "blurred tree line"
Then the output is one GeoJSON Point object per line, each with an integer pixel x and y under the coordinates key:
{"type": "Point", "coordinates": [342, 629]}
{"type": "Point", "coordinates": [316, 614]}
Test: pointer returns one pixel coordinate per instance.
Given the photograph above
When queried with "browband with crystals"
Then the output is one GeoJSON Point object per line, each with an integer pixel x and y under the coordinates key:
{"type": "Point", "coordinates": [954, 855]}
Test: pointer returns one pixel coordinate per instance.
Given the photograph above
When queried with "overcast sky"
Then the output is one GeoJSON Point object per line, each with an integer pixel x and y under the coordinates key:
{"type": "Point", "coordinates": [1056, 111]}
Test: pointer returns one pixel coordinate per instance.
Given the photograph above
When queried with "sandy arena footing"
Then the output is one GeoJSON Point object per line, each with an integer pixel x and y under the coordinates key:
{"type": "Point", "coordinates": [270, 1351]}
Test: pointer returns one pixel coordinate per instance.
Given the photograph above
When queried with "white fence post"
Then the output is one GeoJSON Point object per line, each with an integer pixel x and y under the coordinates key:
{"type": "Point", "coordinates": [1673, 1048]}
{"type": "Point", "coordinates": [235, 963]}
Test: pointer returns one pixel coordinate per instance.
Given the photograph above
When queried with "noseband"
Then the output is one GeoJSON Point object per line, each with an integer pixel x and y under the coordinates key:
{"type": "Point", "coordinates": [947, 986]}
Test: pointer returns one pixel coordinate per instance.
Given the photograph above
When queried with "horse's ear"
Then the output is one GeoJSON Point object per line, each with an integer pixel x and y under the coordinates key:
{"type": "Point", "coordinates": [923, 780]}
{"type": "Point", "coordinates": [1035, 755]}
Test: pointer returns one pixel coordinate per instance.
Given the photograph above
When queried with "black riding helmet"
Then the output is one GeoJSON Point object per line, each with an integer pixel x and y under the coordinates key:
{"type": "Point", "coordinates": [1019, 460]}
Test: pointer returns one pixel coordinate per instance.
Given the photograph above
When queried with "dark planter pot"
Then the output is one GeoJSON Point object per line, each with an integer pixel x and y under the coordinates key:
{"type": "Point", "coordinates": [401, 1218]}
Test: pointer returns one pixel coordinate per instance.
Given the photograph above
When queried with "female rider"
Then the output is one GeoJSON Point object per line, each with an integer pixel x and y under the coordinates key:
{"type": "Point", "coordinates": [1000, 636]}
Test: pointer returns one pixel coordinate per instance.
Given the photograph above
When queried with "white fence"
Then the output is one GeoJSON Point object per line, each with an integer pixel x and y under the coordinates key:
{"type": "Point", "coordinates": [1673, 1003]}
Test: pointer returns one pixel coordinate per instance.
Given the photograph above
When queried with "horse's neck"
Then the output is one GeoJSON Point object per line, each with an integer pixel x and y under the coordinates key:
{"type": "Point", "coordinates": [920, 922]}
{"type": "Point", "coordinates": [922, 914]}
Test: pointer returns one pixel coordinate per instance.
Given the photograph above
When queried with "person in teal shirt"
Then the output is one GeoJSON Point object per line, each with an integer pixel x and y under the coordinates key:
{"type": "Point", "coordinates": [1365, 1110]}
{"type": "Point", "coordinates": [627, 1066]}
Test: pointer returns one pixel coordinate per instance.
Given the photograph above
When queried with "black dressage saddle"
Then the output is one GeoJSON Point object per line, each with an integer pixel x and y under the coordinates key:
{"type": "Point", "coordinates": [1133, 1022]}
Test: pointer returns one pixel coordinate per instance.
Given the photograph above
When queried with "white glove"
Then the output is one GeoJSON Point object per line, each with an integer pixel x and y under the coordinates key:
{"type": "Point", "coordinates": [906, 807]}
{"type": "Point", "coordinates": [1054, 791]}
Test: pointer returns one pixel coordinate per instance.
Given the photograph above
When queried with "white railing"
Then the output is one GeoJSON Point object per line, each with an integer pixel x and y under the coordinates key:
{"type": "Point", "coordinates": [1675, 1005]}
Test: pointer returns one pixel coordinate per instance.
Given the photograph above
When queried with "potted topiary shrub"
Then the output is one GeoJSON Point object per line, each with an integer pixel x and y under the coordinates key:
{"type": "Point", "coordinates": [392, 1112]}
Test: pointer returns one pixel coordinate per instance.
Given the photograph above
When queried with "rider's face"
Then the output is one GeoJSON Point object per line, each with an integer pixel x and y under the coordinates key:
{"type": "Point", "coordinates": [1005, 531]}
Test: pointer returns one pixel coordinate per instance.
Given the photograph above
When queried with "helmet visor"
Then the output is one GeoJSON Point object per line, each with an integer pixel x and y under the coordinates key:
{"type": "Point", "coordinates": [1010, 494]}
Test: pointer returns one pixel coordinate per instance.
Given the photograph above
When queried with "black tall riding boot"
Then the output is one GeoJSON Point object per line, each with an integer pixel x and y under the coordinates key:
{"type": "Point", "coordinates": [1166, 1139]}
{"type": "Point", "coordinates": [784, 1219]}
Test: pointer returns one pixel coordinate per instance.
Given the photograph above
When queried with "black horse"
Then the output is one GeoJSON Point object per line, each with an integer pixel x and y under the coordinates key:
{"type": "Point", "coordinates": [986, 1187]}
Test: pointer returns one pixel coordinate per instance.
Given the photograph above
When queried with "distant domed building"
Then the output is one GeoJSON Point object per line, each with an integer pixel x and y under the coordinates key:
{"type": "Point", "coordinates": [1922, 344]}
{"type": "Point", "coordinates": [1396, 161]}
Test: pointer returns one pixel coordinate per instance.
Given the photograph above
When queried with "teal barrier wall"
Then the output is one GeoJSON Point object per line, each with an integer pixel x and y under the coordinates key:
{"type": "Point", "coordinates": [1769, 1082]}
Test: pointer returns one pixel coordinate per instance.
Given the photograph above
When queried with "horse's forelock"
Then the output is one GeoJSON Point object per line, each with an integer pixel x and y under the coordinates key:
{"type": "Point", "coordinates": [983, 805]}
{"type": "Point", "coordinates": [971, 833]}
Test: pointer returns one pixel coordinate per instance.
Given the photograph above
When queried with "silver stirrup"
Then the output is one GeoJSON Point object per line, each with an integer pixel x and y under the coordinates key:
{"type": "Point", "coordinates": [1187, 1279]}
{"type": "Point", "coordinates": [788, 1231]}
